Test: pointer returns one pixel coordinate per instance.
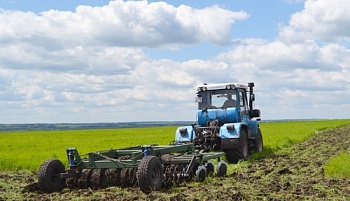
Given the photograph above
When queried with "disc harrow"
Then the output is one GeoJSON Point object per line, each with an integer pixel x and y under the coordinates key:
{"type": "Point", "coordinates": [149, 167]}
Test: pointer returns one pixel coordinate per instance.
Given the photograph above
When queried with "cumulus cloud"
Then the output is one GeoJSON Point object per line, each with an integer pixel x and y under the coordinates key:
{"type": "Point", "coordinates": [305, 71]}
{"type": "Point", "coordinates": [107, 39]}
{"type": "Point", "coordinates": [324, 20]}
{"type": "Point", "coordinates": [129, 23]}
{"type": "Point", "coordinates": [89, 64]}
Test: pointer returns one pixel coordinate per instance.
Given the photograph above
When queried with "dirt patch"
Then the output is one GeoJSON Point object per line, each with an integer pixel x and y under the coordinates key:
{"type": "Point", "coordinates": [292, 174]}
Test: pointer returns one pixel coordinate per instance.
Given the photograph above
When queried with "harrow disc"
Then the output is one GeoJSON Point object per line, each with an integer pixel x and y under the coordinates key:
{"type": "Point", "coordinates": [128, 177]}
{"type": "Point", "coordinates": [112, 177]}
{"type": "Point", "coordinates": [98, 178]}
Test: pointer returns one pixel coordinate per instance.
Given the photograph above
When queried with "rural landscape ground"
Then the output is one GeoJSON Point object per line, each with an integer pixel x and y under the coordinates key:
{"type": "Point", "coordinates": [294, 173]}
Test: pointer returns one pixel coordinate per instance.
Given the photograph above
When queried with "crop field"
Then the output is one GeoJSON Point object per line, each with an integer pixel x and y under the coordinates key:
{"type": "Point", "coordinates": [301, 160]}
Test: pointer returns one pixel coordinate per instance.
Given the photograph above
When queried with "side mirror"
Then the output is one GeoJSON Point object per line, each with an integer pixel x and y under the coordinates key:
{"type": "Point", "coordinates": [199, 99]}
{"type": "Point", "coordinates": [254, 113]}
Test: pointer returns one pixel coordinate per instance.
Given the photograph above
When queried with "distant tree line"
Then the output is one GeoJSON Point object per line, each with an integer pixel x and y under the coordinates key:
{"type": "Point", "coordinates": [81, 126]}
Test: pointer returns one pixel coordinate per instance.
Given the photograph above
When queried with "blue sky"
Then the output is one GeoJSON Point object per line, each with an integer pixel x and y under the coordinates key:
{"type": "Point", "coordinates": [114, 61]}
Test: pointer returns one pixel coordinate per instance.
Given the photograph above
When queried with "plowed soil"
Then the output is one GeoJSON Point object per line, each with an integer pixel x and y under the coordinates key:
{"type": "Point", "coordinates": [295, 173]}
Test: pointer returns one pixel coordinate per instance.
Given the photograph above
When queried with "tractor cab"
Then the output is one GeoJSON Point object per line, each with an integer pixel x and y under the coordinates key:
{"type": "Point", "coordinates": [226, 102]}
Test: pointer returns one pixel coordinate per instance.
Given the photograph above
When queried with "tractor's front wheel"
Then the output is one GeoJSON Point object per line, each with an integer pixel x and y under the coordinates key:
{"type": "Point", "coordinates": [49, 176]}
{"type": "Point", "coordinates": [150, 174]}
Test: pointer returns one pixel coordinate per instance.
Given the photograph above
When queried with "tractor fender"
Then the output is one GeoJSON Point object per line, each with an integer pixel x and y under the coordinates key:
{"type": "Point", "coordinates": [231, 130]}
{"type": "Point", "coordinates": [184, 134]}
{"type": "Point", "coordinates": [253, 128]}
{"type": "Point", "coordinates": [230, 135]}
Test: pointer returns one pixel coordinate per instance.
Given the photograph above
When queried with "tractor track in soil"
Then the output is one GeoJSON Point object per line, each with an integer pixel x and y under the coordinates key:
{"type": "Point", "coordinates": [295, 173]}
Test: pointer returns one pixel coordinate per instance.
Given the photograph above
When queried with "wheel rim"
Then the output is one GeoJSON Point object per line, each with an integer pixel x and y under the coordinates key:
{"type": "Point", "coordinates": [155, 176]}
{"type": "Point", "coordinates": [55, 176]}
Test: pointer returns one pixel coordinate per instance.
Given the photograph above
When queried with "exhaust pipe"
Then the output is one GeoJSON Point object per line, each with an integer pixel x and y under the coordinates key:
{"type": "Point", "coordinates": [251, 95]}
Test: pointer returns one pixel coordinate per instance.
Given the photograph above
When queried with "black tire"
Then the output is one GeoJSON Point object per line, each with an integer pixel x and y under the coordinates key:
{"type": "Point", "coordinates": [49, 179]}
{"type": "Point", "coordinates": [192, 172]}
{"type": "Point", "coordinates": [221, 169]}
{"type": "Point", "coordinates": [244, 145]}
{"type": "Point", "coordinates": [258, 142]}
{"type": "Point", "coordinates": [150, 174]}
{"type": "Point", "coordinates": [241, 152]}
{"type": "Point", "coordinates": [209, 166]}
{"type": "Point", "coordinates": [201, 173]}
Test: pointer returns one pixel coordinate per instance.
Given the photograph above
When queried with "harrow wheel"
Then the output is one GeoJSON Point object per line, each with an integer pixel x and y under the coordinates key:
{"type": "Point", "coordinates": [150, 174]}
{"type": "Point", "coordinates": [49, 176]}
{"type": "Point", "coordinates": [201, 173]}
{"type": "Point", "coordinates": [221, 169]}
{"type": "Point", "coordinates": [209, 166]}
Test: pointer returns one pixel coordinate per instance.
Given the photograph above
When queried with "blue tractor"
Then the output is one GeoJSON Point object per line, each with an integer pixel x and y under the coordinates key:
{"type": "Point", "coordinates": [226, 121]}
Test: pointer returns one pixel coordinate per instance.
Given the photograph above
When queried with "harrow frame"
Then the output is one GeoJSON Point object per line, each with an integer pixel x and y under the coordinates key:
{"type": "Point", "coordinates": [150, 161]}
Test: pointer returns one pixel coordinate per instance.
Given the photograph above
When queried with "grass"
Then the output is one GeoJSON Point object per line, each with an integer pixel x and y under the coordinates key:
{"type": "Point", "coordinates": [280, 135]}
{"type": "Point", "coordinates": [338, 167]}
{"type": "Point", "coordinates": [27, 150]}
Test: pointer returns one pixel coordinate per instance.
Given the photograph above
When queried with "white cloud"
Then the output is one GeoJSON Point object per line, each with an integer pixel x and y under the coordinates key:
{"type": "Point", "coordinates": [305, 71]}
{"type": "Point", "coordinates": [89, 65]}
{"type": "Point", "coordinates": [130, 23]}
{"type": "Point", "coordinates": [325, 20]}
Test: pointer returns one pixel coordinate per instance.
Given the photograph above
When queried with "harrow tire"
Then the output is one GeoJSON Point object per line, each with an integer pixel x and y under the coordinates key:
{"type": "Point", "coordinates": [221, 169]}
{"type": "Point", "coordinates": [209, 166]}
{"type": "Point", "coordinates": [150, 174]}
{"type": "Point", "coordinates": [258, 142]}
{"type": "Point", "coordinates": [201, 173]}
{"type": "Point", "coordinates": [49, 176]}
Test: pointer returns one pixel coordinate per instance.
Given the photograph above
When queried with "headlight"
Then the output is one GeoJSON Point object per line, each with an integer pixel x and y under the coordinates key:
{"type": "Point", "coordinates": [201, 88]}
{"type": "Point", "coordinates": [230, 86]}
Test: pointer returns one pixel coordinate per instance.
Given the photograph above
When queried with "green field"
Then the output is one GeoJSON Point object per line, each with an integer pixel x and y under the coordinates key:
{"type": "Point", "coordinates": [27, 150]}
{"type": "Point", "coordinates": [338, 166]}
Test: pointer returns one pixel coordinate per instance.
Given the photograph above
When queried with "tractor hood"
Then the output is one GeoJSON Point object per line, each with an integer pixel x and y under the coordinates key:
{"type": "Point", "coordinates": [229, 115]}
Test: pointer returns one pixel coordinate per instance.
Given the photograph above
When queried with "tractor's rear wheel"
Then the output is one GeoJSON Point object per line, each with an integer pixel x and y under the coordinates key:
{"type": "Point", "coordinates": [258, 142]}
{"type": "Point", "coordinates": [49, 176]}
{"type": "Point", "coordinates": [150, 174]}
{"type": "Point", "coordinates": [241, 152]}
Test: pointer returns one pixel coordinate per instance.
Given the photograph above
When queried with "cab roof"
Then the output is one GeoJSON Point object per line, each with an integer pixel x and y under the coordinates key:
{"type": "Point", "coordinates": [219, 86]}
